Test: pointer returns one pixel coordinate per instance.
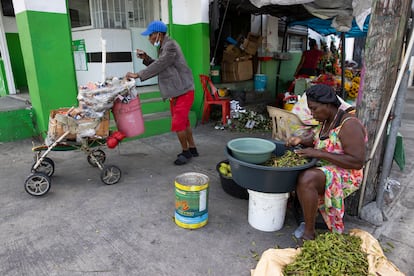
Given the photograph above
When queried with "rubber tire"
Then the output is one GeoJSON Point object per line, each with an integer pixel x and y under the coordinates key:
{"type": "Point", "coordinates": [36, 181]}
{"type": "Point", "coordinates": [47, 166]}
{"type": "Point", "coordinates": [111, 174]}
{"type": "Point", "coordinates": [99, 154]}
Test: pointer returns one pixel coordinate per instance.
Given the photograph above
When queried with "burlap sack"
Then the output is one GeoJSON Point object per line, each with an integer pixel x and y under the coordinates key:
{"type": "Point", "coordinates": [273, 261]}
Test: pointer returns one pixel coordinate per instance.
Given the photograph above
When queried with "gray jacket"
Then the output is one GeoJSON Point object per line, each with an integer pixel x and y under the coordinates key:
{"type": "Point", "coordinates": [174, 76]}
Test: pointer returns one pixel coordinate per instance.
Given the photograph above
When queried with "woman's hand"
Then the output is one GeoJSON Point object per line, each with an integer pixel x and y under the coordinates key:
{"type": "Point", "coordinates": [308, 153]}
{"type": "Point", "coordinates": [293, 141]}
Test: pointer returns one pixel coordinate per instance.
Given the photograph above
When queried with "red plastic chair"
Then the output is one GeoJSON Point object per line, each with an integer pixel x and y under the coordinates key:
{"type": "Point", "coordinates": [211, 97]}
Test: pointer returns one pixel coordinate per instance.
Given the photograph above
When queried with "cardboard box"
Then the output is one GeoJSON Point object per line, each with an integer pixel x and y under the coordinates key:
{"type": "Point", "coordinates": [231, 53]}
{"type": "Point", "coordinates": [252, 43]}
{"type": "Point", "coordinates": [60, 122]}
{"type": "Point", "coordinates": [239, 70]}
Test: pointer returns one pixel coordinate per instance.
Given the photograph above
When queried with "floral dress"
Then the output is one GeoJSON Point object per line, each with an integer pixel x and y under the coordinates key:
{"type": "Point", "coordinates": [340, 182]}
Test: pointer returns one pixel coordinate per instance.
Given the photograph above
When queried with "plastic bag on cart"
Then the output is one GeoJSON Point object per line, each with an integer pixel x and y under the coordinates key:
{"type": "Point", "coordinates": [96, 98]}
{"type": "Point", "coordinates": [91, 118]}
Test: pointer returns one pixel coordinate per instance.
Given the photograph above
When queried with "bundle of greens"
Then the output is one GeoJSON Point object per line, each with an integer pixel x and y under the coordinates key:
{"type": "Point", "coordinates": [330, 254]}
{"type": "Point", "coordinates": [288, 159]}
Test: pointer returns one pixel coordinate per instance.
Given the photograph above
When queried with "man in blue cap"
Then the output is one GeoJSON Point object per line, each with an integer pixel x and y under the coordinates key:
{"type": "Point", "coordinates": [175, 81]}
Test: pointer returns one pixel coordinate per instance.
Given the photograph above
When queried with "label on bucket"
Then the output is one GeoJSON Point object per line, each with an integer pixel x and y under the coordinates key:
{"type": "Point", "coordinates": [191, 222]}
{"type": "Point", "coordinates": [215, 73]}
{"type": "Point", "coordinates": [190, 203]}
{"type": "Point", "coordinates": [260, 82]}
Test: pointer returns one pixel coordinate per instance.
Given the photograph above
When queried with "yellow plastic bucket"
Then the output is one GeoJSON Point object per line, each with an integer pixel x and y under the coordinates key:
{"type": "Point", "coordinates": [191, 200]}
{"type": "Point", "coordinates": [288, 106]}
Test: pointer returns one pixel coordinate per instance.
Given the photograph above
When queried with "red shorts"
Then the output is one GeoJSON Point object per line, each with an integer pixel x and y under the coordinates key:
{"type": "Point", "coordinates": [180, 108]}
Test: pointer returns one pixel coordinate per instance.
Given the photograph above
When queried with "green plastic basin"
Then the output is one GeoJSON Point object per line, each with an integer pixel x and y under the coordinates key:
{"type": "Point", "coordinates": [251, 150]}
{"type": "Point", "coordinates": [266, 179]}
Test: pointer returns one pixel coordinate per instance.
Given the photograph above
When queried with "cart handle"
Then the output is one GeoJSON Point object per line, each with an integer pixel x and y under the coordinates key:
{"type": "Point", "coordinates": [37, 164]}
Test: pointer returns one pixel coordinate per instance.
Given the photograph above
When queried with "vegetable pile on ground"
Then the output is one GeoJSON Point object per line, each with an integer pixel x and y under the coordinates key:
{"type": "Point", "coordinates": [251, 121]}
{"type": "Point", "coordinates": [330, 254]}
{"type": "Point", "coordinates": [288, 159]}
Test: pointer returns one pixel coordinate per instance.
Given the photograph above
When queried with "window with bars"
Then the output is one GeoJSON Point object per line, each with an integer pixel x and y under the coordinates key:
{"type": "Point", "coordinates": [79, 11]}
{"type": "Point", "coordinates": [113, 14]}
{"type": "Point", "coordinates": [296, 37]}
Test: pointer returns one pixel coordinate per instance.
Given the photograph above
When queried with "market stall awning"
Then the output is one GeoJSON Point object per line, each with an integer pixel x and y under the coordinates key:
{"type": "Point", "coordinates": [324, 27]}
{"type": "Point", "coordinates": [342, 15]}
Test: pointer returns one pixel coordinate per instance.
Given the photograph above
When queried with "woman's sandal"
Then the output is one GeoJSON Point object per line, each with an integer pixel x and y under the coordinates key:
{"type": "Point", "coordinates": [299, 231]}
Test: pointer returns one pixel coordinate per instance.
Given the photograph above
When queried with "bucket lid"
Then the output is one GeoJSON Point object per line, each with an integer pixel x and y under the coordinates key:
{"type": "Point", "coordinates": [192, 179]}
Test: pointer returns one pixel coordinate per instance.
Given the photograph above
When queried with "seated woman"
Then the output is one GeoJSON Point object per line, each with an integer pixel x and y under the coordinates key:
{"type": "Point", "coordinates": [339, 143]}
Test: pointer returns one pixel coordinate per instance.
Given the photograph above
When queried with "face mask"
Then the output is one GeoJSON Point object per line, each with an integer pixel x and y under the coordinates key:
{"type": "Point", "coordinates": [157, 43]}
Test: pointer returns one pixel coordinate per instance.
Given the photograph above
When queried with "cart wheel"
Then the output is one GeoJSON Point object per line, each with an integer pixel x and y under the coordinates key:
{"type": "Point", "coordinates": [99, 155]}
{"type": "Point", "coordinates": [47, 166]}
{"type": "Point", "coordinates": [37, 184]}
{"type": "Point", "coordinates": [110, 175]}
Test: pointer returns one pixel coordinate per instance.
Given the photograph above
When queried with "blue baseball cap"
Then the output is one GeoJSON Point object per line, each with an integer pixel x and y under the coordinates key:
{"type": "Point", "coordinates": [155, 27]}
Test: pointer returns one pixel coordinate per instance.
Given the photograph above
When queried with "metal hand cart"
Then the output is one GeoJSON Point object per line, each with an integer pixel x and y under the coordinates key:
{"type": "Point", "coordinates": [68, 132]}
{"type": "Point", "coordinates": [39, 181]}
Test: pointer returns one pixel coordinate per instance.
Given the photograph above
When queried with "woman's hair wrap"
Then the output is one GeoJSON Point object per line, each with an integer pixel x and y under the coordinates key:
{"type": "Point", "coordinates": [322, 93]}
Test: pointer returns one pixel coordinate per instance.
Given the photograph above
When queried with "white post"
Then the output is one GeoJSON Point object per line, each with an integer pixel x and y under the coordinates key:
{"type": "Point", "coordinates": [5, 56]}
{"type": "Point", "coordinates": [103, 60]}
{"type": "Point", "coordinates": [411, 68]}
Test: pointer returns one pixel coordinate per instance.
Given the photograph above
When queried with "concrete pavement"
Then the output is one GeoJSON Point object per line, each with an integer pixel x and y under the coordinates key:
{"type": "Point", "coordinates": [84, 227]}
{"type": "Point", "coordinates": [396, 235]}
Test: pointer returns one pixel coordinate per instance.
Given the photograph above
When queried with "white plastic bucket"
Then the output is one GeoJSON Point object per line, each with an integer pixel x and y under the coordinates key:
{"type": "Point", "coordinates": [267, 210]}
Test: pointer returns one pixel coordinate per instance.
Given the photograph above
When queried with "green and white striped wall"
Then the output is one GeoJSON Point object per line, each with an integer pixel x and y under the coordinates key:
{"type": "Point", "coordinates": [189, 25]}
{"type": "Point", "coordinates": [45, 37]}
